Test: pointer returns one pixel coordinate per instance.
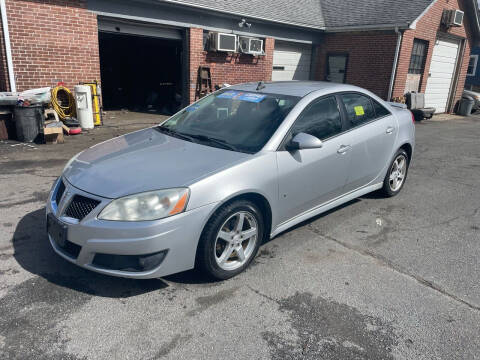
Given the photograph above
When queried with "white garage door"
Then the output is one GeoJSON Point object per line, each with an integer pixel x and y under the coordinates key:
{"type": "Point", "coordinates": [291, 61]}
{"type": "Point", "coordinates": [442, 69]}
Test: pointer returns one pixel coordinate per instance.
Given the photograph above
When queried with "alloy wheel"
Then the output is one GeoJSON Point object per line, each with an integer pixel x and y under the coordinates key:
{"type": "Point", "coordinates": [398, 172]}
{"type": "Point", "coordinates": [236, 241]}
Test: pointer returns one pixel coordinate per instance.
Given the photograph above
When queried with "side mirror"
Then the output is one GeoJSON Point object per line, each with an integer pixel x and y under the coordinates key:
{"type": "Point", "coordinates": [304, 141]}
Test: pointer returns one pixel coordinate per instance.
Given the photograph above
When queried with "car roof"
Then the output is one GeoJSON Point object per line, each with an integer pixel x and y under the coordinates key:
{"type": "Point", "coordinates": [295, 88]}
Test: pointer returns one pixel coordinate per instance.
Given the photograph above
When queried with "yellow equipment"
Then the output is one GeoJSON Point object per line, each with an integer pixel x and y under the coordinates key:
{"type": "Point", "coordinates": [63, 102]}
{"type": "Point", "coordinates": [97, 115]}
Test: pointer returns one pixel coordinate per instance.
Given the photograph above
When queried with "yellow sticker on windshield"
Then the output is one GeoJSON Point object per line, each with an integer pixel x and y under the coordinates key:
{"type": "Point", "coordinates": [359, 110]}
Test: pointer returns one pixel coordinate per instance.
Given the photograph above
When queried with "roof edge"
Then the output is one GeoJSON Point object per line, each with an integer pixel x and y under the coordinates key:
{"type": "Point", "coordinates": [333, 29]}
{"type": "Point", "coordinates": [413, 25]}
{"type": "Point", "coordinates": [375, 27]}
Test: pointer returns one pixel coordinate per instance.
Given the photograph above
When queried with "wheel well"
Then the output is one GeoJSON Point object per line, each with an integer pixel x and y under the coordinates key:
{"type": "Point", "coordinates": [408, 148]}
{"type": "Point", "coordinates": [264, 206]}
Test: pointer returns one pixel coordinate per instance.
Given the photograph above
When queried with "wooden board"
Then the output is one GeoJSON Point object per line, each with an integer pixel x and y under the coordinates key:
{"type": "Point", "coordinates": [53, 135]}
{"type": "Point", "coordinates": [3, 130]}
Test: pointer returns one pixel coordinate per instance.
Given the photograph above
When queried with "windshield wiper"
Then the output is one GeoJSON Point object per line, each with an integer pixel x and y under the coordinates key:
{"type": "Point", "coordinates": [173, 133]}
{"type": "Point", "coordinates": [208, 139]}
{"type": "Point", "coordinates": [193, 137]}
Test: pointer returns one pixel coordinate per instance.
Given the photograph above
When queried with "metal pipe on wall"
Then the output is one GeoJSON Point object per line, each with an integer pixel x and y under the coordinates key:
{"type": "Point", "coordinates": [8, 49]}
{"type": "Point", "coordinates": [395, 62]}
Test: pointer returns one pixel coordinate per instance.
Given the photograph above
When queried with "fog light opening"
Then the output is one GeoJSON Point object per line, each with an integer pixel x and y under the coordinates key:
{"type": "Point", "coordinates": [130, 263]}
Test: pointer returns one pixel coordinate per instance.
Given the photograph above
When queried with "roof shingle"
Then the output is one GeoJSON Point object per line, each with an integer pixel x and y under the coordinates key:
{"type": "Point", "coordinates": [305, 13]}
{"type": "Point", "coordinates": [342, 13]}
{"type": "Point", "coordinates": [320, 14]}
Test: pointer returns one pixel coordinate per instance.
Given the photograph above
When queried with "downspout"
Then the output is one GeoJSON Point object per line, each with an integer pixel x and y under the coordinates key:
{"type": "Point", "coordinates": [8, 49]}
{"type": "Point", "coordinates": [395, 62]}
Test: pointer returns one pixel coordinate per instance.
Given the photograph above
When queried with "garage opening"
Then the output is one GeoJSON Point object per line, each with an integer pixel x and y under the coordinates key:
{"type": "Point", "coordinates": [141, 68]}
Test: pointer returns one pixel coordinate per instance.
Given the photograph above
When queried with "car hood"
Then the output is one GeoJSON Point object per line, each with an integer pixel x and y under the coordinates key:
{"type": "Point", "coordinates": [143, 161]}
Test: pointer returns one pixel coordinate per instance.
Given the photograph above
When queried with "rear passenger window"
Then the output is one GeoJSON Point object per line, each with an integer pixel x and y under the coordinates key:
{"type": "Point", "coordinates": [321, 119]}
{"type": "Point", "coordinates": [359, 108]}
{"type": "Point", "coordinates": [380, 111]}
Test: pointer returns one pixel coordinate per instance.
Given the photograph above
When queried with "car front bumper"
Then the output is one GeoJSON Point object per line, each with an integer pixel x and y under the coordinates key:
{"type": "Point", "coordinates": [90, 239]}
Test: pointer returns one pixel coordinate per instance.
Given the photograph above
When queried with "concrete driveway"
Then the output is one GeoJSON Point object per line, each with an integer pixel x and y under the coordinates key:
{"type": "Point", "coordinates": [375, 279]}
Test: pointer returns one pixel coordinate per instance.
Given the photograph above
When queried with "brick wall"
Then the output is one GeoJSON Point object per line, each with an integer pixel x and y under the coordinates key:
{"type": "Point", "coordinates": [52, 40]}
{"type": "Point", "coordinates": [370, 58]}
{"type": "Point", "coordinates": [427, 29]}
{"type": "Point", "coordinates": [228, 68]}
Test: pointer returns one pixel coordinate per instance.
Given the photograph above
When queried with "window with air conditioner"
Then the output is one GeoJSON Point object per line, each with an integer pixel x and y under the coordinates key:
{"type": "Point", "coordinates": [252, 46]}
{"type": "Point", "coordinates": [222, 42]}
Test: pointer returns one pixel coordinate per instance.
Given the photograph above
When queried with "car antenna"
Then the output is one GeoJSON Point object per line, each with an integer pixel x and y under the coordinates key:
{"type": "Point", "coordinates": [261, 85]}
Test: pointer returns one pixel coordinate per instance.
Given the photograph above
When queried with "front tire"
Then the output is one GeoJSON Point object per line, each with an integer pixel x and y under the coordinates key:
{"type": "Point", "coordinates": [396, 174]}
{"type": "Point", "coordinates": [230, 240]}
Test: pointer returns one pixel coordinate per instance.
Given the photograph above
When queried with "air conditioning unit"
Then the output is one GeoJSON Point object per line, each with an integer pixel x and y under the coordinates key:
{"type": "Point", "coordinates": [223, 42]}
{"type": "Point", "coordinates": [452, 18]}
{"type": "Point", "coordinates": [249, 45]}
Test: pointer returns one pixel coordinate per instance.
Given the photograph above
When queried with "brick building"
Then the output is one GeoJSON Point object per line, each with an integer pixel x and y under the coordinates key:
{"type": "Point", "coordinates": [146, 51]}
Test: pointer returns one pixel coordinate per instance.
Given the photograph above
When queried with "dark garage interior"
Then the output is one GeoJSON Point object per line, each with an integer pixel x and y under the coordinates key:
{"type": "Point", "coordinates": [140, 73]}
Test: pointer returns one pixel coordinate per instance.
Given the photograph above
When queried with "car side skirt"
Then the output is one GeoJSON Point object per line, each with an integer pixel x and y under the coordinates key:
{"type": "Point", "coordinates": [325, 207]}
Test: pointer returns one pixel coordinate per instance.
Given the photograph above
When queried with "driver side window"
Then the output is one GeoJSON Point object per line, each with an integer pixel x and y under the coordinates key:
{"type": "Point", "coordinates": [321, 119]}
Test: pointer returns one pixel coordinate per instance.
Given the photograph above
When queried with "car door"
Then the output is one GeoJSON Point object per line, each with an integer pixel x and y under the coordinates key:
{"type": "Point", "coordinates": [310, 177]}
{"type": "Point", "coordinates": [372, 136]}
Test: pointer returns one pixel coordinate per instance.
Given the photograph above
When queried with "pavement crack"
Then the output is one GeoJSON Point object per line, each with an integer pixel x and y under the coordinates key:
{"type": "Point", "coordinates": [394, 267]}
{"type": "Point", "coordinates": [262, 294]}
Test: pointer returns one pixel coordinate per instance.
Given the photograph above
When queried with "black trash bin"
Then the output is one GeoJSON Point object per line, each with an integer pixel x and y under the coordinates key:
{"type": "Point", "coordinates": [466, 105]}
{"type": "Point", "coordinates": [29, 121]}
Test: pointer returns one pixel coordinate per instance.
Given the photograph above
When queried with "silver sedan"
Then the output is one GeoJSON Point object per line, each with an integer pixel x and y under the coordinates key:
{"type": "Point", "coordinates": [206, 187]}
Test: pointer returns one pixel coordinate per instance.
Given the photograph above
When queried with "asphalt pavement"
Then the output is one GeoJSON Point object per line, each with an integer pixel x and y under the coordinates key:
{"type": "Point", "coordinates": [376, 278]}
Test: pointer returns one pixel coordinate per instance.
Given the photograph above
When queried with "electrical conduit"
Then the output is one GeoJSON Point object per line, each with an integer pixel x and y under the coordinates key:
{"type": "Point", "coordinates": [8, 49]}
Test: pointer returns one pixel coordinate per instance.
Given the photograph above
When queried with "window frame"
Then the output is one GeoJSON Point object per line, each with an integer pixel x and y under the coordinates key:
{"type": "Point", "coordinates": [421, 68]}
{"type": "Point", "coordinates": [344, 129]}
{"type": "Point", "coordinates": [347, 126]}
{"type": "Point", "coordinates": [376, 118]}
{"type": "Point", "coordinates": [474, 56]}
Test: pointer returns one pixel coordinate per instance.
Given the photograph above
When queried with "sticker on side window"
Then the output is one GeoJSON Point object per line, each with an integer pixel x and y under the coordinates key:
{"type": "Point", "coordinates": [243, 96]}
{"type": "Point", "coordinates": [359, 110]}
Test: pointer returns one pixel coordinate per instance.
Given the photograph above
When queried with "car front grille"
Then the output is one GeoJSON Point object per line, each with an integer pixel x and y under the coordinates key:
{"type": "Point", "coordinates": [60, 191]}
{"type": "Point", "coordinates": [80, 206]}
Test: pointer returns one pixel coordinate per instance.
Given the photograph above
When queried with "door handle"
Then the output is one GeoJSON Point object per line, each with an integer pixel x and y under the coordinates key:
{"type": "Point", "coordinates": [343, 149]}
{"type": "Point", "coordinates": [390, 130]}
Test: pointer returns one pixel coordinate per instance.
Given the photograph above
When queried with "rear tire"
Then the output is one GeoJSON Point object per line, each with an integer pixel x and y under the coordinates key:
{"type": "Point", "coordinates": [396, 174]}
{"type": "Point", "coordinates": [230, 240]}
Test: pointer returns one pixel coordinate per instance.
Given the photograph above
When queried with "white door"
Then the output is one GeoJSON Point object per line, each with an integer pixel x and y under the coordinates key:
{"type": "Point", "coordinates": [337, 68]}
{"type": "Point", "coordinates": [291, 61]}
{"type": "Point", "coordinates": [442, 69]}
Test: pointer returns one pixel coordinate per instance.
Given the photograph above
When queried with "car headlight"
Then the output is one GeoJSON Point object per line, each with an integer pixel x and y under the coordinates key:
{"type": "Point", "coordinates": [152, 205]}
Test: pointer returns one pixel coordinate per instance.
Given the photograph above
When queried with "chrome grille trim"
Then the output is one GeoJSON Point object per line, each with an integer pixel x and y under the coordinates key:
{"type": "Point", "coordinates": [80, 206]}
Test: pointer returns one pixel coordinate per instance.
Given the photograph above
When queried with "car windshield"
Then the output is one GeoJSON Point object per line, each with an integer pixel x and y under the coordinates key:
{"type": "Point", "coordinates": [231, 119]}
